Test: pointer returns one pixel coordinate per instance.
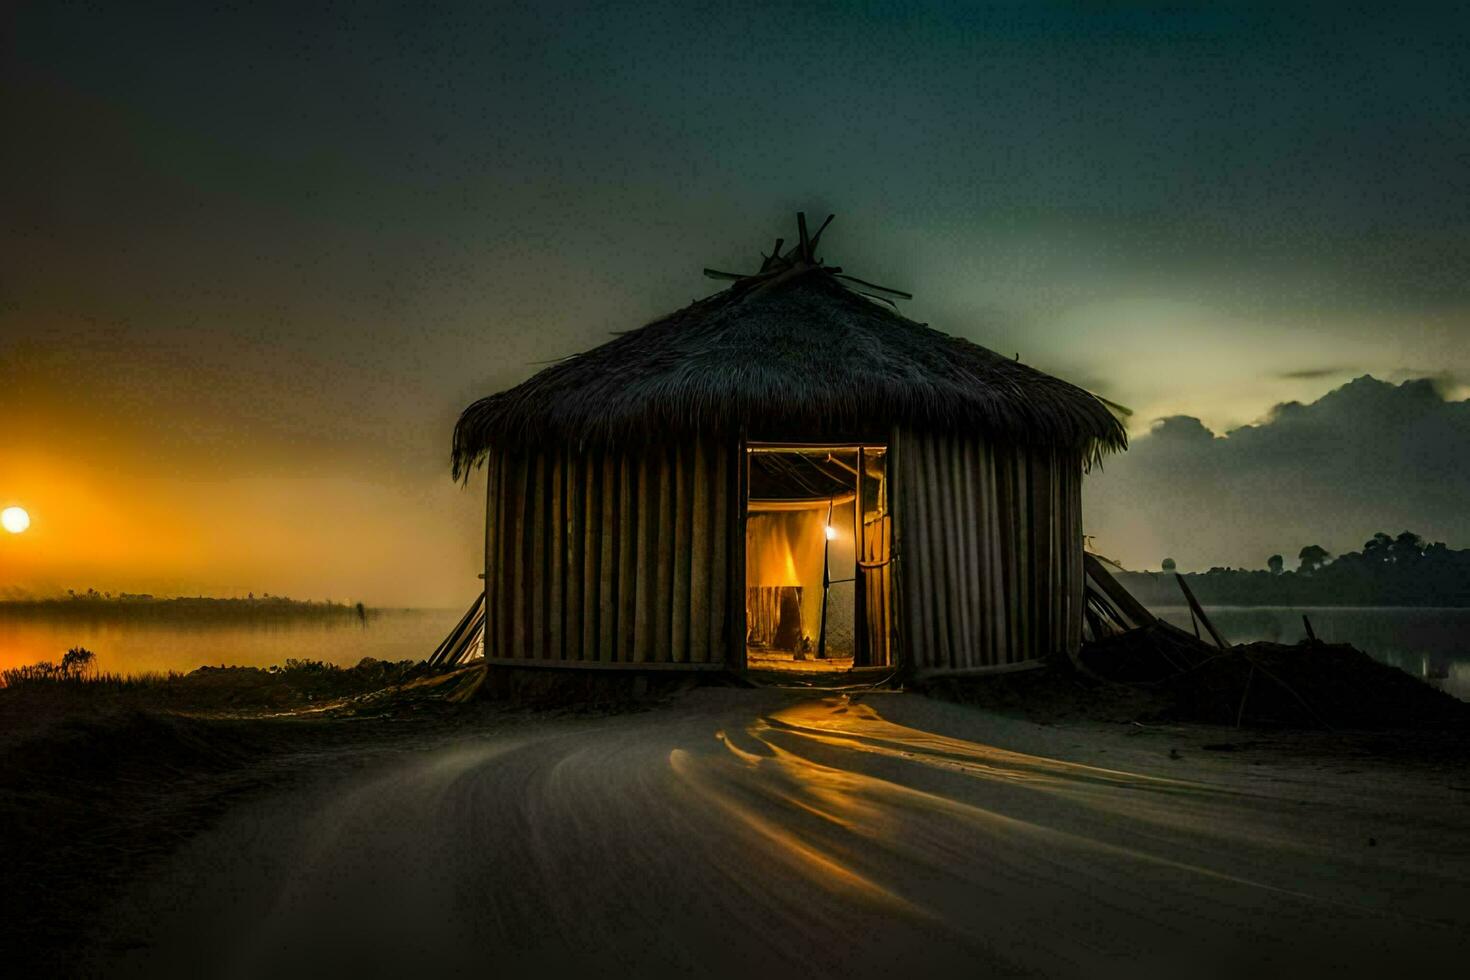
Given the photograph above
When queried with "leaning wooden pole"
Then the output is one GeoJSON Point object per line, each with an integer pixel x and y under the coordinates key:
{"type": "Point", "coordinates": [1199, 612]}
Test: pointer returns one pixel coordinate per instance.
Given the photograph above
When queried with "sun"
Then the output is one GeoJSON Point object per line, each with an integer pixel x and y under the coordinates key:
{"type": "Point", "coordinates": [15, 519]}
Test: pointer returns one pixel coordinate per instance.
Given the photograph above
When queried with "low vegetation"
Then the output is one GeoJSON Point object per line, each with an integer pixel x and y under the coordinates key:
{"type": "Point", "coordinates": [294, 684]}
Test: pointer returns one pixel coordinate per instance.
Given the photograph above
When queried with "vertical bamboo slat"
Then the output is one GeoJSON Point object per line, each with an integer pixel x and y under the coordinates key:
{"type": "Point", "coordinates": [512, 572]}
{"type": "Point", "coordinates": [1000, 534]}
{"type": "Point", "coordinates": [556, 549]}
{"type": "Point", "coordinates": [942, 551]}
{"type": "Point", "coordinates": [958, 506]}
{"type": "Point", "coordinates": [647, 547]}
{"type": "Point", "coordinates": [575, 573]}
{"type": "Point", "coordinates": [608, 592]}
{"type": "Point", "coordinates": [662, 556]}
{"type": "Point", "coordinates": [680, 571]}
{"type": "Point", "coordinates": [1075, 592]}
{"type": "Point", "coordinates": [721, 507]}
{"type": "Point", "coordinates": [525, 559]}
{"type": "Point", "coordinates": [492, 537]}
{"type": "Point", "coordinates": [920, 597]}
{"type": "Point", "coordinates": [628, 578]}
{"type": "Point", "coordinates": [1011, 563]}
{"type": "Point", "coordinates": [738, 477]}
{"type": "Point", "coordinates": [1043, 586]}
{"type": "Point", "coordinates": [699, 555]}
{"type": "Point", "coordinates": [591, 511]}
{"type": "Point", "coordinates": [972, 511]}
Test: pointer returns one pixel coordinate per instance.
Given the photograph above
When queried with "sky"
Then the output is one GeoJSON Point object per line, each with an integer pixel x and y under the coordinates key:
{"type": "Point", "coordinates": [255, 258]}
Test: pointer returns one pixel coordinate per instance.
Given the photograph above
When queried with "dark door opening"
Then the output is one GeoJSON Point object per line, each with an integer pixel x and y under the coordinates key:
{"type": "Point", "coordinates": [817, 543]}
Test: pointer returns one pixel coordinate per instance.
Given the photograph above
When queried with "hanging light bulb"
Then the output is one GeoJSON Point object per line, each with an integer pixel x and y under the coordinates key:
{"type": "Point", "coordinates": [831, 533]}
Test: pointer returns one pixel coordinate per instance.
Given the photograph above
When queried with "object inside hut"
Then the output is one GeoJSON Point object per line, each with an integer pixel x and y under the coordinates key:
{"type": "Point", "coordinates": [806, 584]}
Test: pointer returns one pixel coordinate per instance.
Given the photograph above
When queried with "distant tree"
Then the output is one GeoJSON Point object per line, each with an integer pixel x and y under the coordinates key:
{"type": "Point", "coordinates": [1276, 564]}
{"type": "Point", "coordinates": [1168, 565]}
{"type": "Point", "coordinates": [252, 596]}
{"type": "Point", "coordinates": [1312, 557]}
{"type": "Point", "coordinates": [76, 660]}
{"type": "Point", "coordinates": [1377, 547]}
{"type": "Point", "coordinates": [1406, 547]}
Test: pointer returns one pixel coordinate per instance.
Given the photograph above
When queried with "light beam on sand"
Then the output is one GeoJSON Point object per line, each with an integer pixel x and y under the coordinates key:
{"type": "Point", "coordinates": [860, 806]}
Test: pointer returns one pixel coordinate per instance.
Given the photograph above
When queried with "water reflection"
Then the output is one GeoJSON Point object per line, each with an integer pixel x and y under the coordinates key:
{"type": "Point", "coordinates": [130, 645]}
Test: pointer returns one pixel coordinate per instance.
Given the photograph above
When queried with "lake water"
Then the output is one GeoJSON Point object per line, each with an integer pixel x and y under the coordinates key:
{"type": "Point", "coordinates": [1433, 644]}
{"type": "Point", "coordinates": [1430, 643]}
{"type": "Point", "coordinates": [130, 645]}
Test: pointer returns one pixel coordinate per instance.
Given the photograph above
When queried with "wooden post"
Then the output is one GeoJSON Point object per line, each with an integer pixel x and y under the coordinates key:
{"type": "Point", "coordinates": [861, 640]}
{"type": "Point", "coordinates": [826, 585]}
{"type": "Point", "coordinates": [735, 589]}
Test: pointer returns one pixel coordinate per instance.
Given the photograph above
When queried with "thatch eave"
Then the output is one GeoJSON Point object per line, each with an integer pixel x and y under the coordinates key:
{"type": "Point", "coordinates": [805, 356]}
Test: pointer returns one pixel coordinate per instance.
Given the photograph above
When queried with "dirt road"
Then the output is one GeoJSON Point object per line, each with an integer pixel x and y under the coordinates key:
{"type": "Point", "coordinates": [777, 833]}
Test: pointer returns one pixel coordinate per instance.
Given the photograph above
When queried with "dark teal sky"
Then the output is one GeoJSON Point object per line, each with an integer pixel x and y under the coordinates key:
{"type": "Point", "coordinates": [252, 248]}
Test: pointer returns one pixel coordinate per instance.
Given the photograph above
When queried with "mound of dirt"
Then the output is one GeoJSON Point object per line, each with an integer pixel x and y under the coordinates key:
{"type": "Point", "coordinates": [1309, 685]}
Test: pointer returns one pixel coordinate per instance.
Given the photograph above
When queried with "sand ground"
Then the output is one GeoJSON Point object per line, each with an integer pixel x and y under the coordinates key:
{"type": "Point", "coordinates": [776, 832]}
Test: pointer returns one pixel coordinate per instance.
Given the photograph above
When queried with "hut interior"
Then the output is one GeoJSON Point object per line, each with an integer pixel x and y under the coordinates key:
{"type": "Point", "coordinates": [816, 547]}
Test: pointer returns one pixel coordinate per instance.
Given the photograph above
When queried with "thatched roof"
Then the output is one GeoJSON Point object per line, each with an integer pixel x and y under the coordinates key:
{"type": "Point", "coordinates": [793, 351]}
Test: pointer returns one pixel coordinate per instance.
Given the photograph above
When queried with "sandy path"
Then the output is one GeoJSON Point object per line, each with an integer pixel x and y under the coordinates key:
{"type": "Point", "coordinates": [742, 832]}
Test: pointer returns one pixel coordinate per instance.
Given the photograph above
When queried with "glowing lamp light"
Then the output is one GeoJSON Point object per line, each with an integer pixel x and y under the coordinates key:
{"type": "Point", "coordinates": [831, 533]}
{"type": "Point", "coordinates": [14, 519]}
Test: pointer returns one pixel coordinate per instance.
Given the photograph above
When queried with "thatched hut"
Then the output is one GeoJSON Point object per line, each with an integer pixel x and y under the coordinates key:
{"type": "Point", "coordinates": [785, 471]}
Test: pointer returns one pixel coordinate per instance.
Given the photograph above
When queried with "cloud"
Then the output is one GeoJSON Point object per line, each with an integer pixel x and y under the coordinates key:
{"type": "Point", "coordinates": [1315, 374]}
{"type": "Point", "coordinates": [1367, 456]}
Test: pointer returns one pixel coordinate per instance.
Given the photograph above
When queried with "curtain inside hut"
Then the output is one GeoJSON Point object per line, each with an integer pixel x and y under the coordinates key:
{"type": "Point", "coordinates": [786, 546]}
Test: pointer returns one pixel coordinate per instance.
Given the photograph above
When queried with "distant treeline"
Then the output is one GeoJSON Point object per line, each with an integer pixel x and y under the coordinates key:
{"type": "Point", "coordinates": [1391, 570]}
{"type": "Point", "coordinates": [129, 605]}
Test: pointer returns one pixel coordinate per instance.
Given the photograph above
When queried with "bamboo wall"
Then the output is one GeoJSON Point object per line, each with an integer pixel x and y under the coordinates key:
{"type": "Point", "coordinates": [990, 552]}
{"type": "Point", "coordinates": [615, 559]}
{"type": "Point", "coordinates": [606, 558]}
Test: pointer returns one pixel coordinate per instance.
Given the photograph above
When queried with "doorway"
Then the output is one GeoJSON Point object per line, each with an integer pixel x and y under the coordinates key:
{"type": "Point", "coordinates": [817, 549]}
